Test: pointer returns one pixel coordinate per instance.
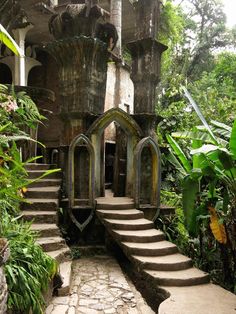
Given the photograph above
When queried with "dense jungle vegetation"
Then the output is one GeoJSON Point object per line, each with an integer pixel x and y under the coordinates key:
{"type": "Point", "coordinates": [199, 145]}
{"type": "Point", "coordinates": [28, 269]}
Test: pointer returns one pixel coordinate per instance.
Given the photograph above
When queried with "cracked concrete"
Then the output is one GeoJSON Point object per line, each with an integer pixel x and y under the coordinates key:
{"type": "Point", "coordinates": [99, 286]}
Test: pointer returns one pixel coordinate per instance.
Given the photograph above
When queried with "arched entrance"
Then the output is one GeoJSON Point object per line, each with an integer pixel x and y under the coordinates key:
{"type": "Point", "coordinates": [96, 133]}
{"type": "Point", "coordinates": [148, 174]}
{"type": "Point", "coordinates": [81, 180]}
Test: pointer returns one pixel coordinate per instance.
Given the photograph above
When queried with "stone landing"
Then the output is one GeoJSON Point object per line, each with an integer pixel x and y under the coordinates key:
{"type": "Point", "coordinates": [99, 287]}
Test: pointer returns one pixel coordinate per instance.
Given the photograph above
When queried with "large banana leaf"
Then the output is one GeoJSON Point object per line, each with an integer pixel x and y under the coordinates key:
{"type": "Point", "coordinates": [174, 161]}
{"type": "Point", "coordinates": [179, 153]}
{"type": "Point", "coordinates": [190, 191]}
{"type": "Point", "coordinates": [201, 135]}
{"type": "Point", "coordinates": [232, 142]}
{"type": "Point", "coordinates": [194, 135]}
{"type": "Point", "coordinates": [217, 228]}
{"type": "Point", "coordinates": [199, 113]}
{"type": "Point", "coordinates": [7, 40]}
{"type": "Point", "coordinates": [221, 129]}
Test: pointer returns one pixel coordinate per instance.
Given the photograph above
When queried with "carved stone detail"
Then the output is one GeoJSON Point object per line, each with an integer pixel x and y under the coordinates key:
{"type": "Point", "coordinates": [145, 74]}
{"type": "Point", "coordinates": [82, 74]}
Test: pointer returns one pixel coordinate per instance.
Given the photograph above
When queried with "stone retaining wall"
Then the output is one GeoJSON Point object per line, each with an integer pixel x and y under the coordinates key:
{"type": "Point", "coordinates": [3, 292]}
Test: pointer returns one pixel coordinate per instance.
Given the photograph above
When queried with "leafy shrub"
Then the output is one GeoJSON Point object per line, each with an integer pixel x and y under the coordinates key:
{"type": "Point", "coordinates": [29, 269]}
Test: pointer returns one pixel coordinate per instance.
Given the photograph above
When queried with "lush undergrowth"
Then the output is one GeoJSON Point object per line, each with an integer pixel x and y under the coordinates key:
{"type": "Point", "coordinates": [204, 225]}
{"type": "Point", "coordinates": [28, 270]}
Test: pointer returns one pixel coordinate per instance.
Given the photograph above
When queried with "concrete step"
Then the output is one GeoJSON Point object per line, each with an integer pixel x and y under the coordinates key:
{"type": "Point", "coordinates": [41, 204]}
{"type": "Point", "coordinates": [46, 182]}
{"type": "Point", "coordinates": [51, 243]}
{"type": "Point", "coordinates": [60, 255]}
{"type": "Point", "coordinates": [66, 274]}
{"type": "Point", "coordinates": [186, 277]}
{"type": "Point", "coordinates": [49, 217]}
{"type": "Point", "coordinates": [46, 230]}
{"type": "Point", "coordinates": [150, 249]}
{"type": "Point", "coordinates": [37, 166]}
{"type": "Point", "coordinates": [167, 262]}
{"type": "Point", "coordinates": [120, 214]}
{"type": "Point", "coordinates": [135, 224]}
{"type": "Point", "coordinates": [32, 174]}
{"type": "Point", "coordinates": [115, 203]}
{"type": "Point", "coordinates": [47, 192]}
{"type": "Point", "coordinates": [139, 236]}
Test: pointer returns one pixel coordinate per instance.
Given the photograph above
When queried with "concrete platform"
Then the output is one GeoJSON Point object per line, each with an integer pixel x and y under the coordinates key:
{"type": "Point", "coordinates": [201, 299]}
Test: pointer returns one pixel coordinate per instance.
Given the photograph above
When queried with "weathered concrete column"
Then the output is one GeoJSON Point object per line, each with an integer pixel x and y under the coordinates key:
{"type": "Point", "coordinates": [147, 17]}
{"type": "Point", "coordinates": [20, 73]}
{"type": "Point", "coordinates": [82, 67]}
{"type": "Point", "coordinates": [145, 73]}
{"type": "Point", "coordinates": [116, 20]}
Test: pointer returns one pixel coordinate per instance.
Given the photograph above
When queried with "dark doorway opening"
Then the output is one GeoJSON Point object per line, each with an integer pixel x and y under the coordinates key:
{"type": "Point", "coordinates": [110, 149]}
{"type": "Point", "coordinates": [5, 74]}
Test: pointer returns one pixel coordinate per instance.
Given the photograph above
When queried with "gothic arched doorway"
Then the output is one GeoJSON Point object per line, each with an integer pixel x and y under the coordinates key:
{"type": "Point", "coordinates": [131, 132]}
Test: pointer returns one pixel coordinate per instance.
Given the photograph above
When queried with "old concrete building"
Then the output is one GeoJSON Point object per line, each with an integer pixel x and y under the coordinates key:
{"type": "Point", "coordinates": [92, 68]}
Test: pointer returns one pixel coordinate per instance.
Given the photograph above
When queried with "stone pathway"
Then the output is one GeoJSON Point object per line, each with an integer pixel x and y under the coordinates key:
{"type": "Point", "coordinates": [99, 286]}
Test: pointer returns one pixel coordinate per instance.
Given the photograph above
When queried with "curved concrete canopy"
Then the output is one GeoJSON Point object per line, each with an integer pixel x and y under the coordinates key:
{"type": "Point", "coordinates": [127, 123]}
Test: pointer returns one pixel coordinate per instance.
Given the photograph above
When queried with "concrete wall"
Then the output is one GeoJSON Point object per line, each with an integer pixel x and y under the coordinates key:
{"type": "Point", "coordinates": [119, 93]}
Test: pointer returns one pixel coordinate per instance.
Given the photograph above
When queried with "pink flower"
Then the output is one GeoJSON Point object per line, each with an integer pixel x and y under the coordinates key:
{"type": "Point", "coordinates": [10, 104]}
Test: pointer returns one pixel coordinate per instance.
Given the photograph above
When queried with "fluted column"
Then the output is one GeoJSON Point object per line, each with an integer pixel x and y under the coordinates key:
{"type": "Point", "coordinates": [82, 68]}
{"type": "Point", "coordinates": [145, 73]}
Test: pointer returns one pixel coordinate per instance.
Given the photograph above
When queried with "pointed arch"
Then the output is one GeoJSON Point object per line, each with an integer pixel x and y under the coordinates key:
{"type": "Point", "coordinates": [118, 115]}
{"type": "Point", "coordinates": [133, 132]}
{"type": "Point", "coordinates": [156, 171]}
{"type": "Point", "coordinates": [81, 139]}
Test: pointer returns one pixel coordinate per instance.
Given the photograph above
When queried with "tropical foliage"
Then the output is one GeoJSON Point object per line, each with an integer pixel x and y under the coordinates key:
{"type": "Point", "coordinates": [29, 270]}
{"type": "Point", "coordinates": [199, 161]}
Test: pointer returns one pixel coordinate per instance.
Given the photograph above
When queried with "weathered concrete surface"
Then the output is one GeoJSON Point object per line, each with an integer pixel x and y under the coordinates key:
{"type": "Point", "coordinates": [201, 299]}
{"type": "Point", "coordinates": [99, 286]}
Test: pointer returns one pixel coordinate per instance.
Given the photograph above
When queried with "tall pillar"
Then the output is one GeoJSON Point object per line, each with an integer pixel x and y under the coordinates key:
{"type": "Point", "coordinates": [116, 20]}
{"type": "Point", "coordinates": [20, 72]}
{"type": "Point", "coordinates": [145, 73]}
{"type": "Point", "coordinates": [147, 17]}
{"type": "Point", "coordinates": [82, 69]}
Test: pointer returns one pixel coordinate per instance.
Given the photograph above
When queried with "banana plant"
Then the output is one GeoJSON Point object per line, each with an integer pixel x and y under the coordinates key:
{"type": "Point", "coordinates": [212, 162]}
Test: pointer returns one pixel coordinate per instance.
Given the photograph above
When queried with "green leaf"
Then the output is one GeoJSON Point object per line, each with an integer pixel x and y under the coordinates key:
{"type": "Point", "coordinates": [204, 149]}
{"type": "Point", "coordinates": [190, 192]}
{"type": "Point", "coordinates": [221, 125]}
{"type": "Point", "coordinates": [179, 153]}
{"type": "Point", "coordinates": [174, 161]}
{"type": "Point", "coordinates": [194, 135]}
{"type": "Point", "coordinates": [232, 141]}
{"type": "Point", "coordinates": [199, 113]}
{"type": "Point", "coordinates": [226, 160]}
{"type": "Point", "coordinates": [7, 40]}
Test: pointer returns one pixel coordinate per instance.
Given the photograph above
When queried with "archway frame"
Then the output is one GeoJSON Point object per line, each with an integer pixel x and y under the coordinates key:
{"type": "Point", "coordinates": [133, 132]}
{"type": "Point", "coordinates": [80, 139]}
{"type": "Point", "coordinates": [156, 171]}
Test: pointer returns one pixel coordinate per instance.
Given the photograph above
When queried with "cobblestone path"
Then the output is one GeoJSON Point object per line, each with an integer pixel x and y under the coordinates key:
{"type": "Point", "coordinates": [99, 286]}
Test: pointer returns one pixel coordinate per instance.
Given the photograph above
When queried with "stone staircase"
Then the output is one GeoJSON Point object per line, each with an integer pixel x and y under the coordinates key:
{"type": "Point", "coordinates": [42, 209]}
{"type": "Point", "coordinates": [182, 288]}
{"type": "Point", "coordinates": [145, 246]}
